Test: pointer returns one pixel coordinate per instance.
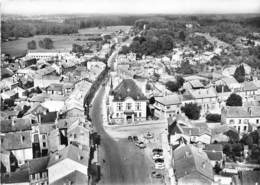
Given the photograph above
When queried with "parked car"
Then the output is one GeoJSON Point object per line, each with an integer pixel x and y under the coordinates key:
{"type": "Point", "coordinates": [157, 151]}
{"type": "Point", "coordinates": [140, 144]}
{"type": "Point", "coordinates": [148, 135]}
{"type": "Point", "coordinates": [135, 138]}
{"type": "Point", "coordinates": [157, 175]}
{"type": "Point", "coordinates": [159, 164]}
{"type": "Point", "coordinates": [130, 138]}
{"type": "Point", "coordinates": [157, 156]}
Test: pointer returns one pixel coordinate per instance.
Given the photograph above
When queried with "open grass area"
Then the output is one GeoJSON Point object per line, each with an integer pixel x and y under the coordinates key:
{"type": "Point", "coordinates": [19, 47]}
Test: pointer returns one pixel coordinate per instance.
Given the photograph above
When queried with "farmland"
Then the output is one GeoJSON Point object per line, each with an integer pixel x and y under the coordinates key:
{"type": "Point", "coordinates": [19, 47]}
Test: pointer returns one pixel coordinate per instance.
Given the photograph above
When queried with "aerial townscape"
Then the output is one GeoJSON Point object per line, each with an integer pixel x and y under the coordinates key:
{"type": "Point", "coordinates": [130, 99]}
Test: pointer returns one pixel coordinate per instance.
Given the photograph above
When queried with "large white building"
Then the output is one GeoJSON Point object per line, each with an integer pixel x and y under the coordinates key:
{"type": "Point", "coordinates": [243, 119]}
{"type": "Point", "coordinates": [45, 54]}
{"type": "Point", "coordinates": [127, 103]}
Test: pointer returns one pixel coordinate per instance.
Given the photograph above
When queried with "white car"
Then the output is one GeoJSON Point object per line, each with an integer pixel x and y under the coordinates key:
{"type": "Point", "coordinates": [140, 144]}
{"type": "Point", "coordinates": [157, 156]}
{"type": "Point", "coordinates": [159, 166]}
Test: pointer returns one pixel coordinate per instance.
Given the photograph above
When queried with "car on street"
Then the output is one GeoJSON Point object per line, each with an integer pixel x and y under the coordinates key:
{"type": "Point", "coordinates": [157, 156]}
{"type": "Point", "coordinates": [157, 151]}
{"type": "Point", "coordinates": [140, 144]}
{"type": "Point", "coordinates": [156, 175]}
{"type": "Point", "coordinates": [130, 138]}
{"type": "Point", "coordinates": [148, 135]}
{"type": "Point", "coordinates": [159, 164]}
{"type": "Point", "coordinates": [135, 138]}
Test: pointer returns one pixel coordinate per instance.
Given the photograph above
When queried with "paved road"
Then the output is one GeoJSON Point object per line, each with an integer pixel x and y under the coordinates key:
{"type": "Point", "coordinates": [124, 162]}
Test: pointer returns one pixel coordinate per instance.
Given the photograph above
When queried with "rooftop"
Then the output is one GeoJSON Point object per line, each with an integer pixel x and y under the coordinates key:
{"type": "Point", "coordinates": [75, 178]}
{"type": "Point", "coordinates": [172, 99]}
{"type": "Point", "coordinates": [128, 88]}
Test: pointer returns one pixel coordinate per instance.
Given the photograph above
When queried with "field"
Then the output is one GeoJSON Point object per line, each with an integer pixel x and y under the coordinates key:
{"type": "Point", "coordinates": [19, 47]}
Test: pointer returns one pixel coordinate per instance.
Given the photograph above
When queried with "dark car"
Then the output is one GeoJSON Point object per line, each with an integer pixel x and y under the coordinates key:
{"type": "Point", "coordinates": [130, 138]}
{"type": "Point", "coordinates": [157, 151]}
{"type": "Point", "coordinates": [135, 138]}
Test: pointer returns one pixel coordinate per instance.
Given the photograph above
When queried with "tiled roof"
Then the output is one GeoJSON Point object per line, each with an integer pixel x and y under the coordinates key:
{"type": "Point", "coordinates": [49, 117]}
{"type": "Point", "coordinates": [17, 140]}
{"type": "Point", "coordinates": [249, 86]}
{"type": "Point", "coordinates": [72, 152]}
{"type": "Point", "coordinates": [194, 131]}
{"type": "Point", "coordinates": [196, 84]}
{"type": "Point", "coordinates": [214, 147]}
{"type": "Point", "coordinates": [214, 156]}
{"type": "Point", "coordinates": [38, 165]}
{"type": "Point", "coordinates": [169, 99]}
{"type": "Point", "coordinates": [75, 178]}
{"type": "Point", "coordinates": [203, 93]}
{"type": "Point", "coordinates": [128, 88]}
{"type": "Point", "coordinates": [190, 160]}
{"type": "Point", "coordinates": [55, 87]}
{"type": "Point", "coordinates": [241, 112]}
{"type": "Point", "coordinates": [36, 109]}
{"type": "Point", "coordinates": [229, 80]}
{"type": "Point", "coordinates": [20, 124]}
{"type": "Point", "coordinates": [20, 176]}
{"type": "Point", "coordinates": [249, 177]}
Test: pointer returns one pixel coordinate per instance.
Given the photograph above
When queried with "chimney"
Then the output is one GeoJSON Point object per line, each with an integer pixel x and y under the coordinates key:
{"type": "Point", "coordinates": [57, 156]}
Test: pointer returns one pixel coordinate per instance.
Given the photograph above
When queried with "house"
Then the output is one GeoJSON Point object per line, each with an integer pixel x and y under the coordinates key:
{"type": "Point", "coordinates": [78, 133]}
{"type": "Point", "coordinates": [206, 98]}
{"type": "Point", "coordinates": [19, 144]}
{"type": "Point", "coordinates": [15, 125]}
{"type": "Point", "coordinates": [76, 177]}
{"type": "Point", "coordinates": [193, 84]}
{"type": "Point", "coordinates": [247, 178]}
{"type": "Point", "coordinates": [215, 154]}
{"type": "Point", "coordinates": [188, 132]}
{"type": "Point", "coordinates": [11, 94]}
{"type": "Point", "coordinates": [66, 161]}
{"type": "Point", "coordinates": [38, 173]}
{"type": "Point", "coordinates": [192, 166]}
{"type": "Point", "coordinates": [128, 103]}
{"type": "Point", "coordinates": [19, 177]}
{"type": "Point", "coordinates": [243, 119]}
{"type": "Point", "coordinates": [167, 106]}
{"type": "Point", "coordinates": [228, 81]}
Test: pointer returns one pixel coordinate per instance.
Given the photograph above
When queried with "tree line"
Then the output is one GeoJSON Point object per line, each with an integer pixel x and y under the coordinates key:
{"type": "Point", "coordinates": [28, 28]}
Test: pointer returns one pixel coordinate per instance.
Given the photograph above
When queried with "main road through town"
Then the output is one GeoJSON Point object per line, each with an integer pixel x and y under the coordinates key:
{"type": "Point", "coordinates": [123, 163]}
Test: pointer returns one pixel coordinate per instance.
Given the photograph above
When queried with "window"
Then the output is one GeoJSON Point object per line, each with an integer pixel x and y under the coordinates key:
{"type": "Point", "coordinates": [75, 136]}
{"type": "Point", "coordinates": [119, 106]}
{"type": "Point", "coordinates": [44, 144]}
{"type": "Point", "coordinates": [117, 115]}
{"type": "Point", "coordinates": [138, 106]}
{"type": "Point", "coordinates": [239, 121]}
{"type": "Point", "coordinates": [140, 114]}
{"type": "Point", "coordinates": [257, 121]}
{"type": "Point", "coordinates": [231, 121]}
{"type": "Point", "coordinates": [32, 177]}
{"type": "Point", "coordinates": [238, 128]}
{"type": "Point", "coordinates": [245, 127]}
{"type": "Point", "coordinates": [129, 106]}
{"type": "Point", "coordinates": [43, 137]}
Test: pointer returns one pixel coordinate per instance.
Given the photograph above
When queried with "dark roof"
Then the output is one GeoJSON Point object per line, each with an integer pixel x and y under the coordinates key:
{"type": "Point", "coordinates": [128, 88]}
{"type": "Point", "coordinates": [75, 178]}
{"type": "Point", "coordinates": [249, 177]}
{"type": "Point", "coordinates": [214, 156]}
{"type": "Point", "coordinates": [214, 147]}
{"type": "Point", "coordinates": [17, 140]}
{"type": "Point", "coordinates": [49, 117]}
{"type": "Point", "coordinates": [20, 124]}
{"type": "Point", "coordinates": [15, 177]}
{"type": "Point", "coordinates": [190, 160]}
{"type": "Point", "coordinates": [55, 87]}
{"type": "Point", "coordinates": [38, 165]}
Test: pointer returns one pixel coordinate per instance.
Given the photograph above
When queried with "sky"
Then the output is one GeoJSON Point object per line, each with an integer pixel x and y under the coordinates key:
{"type": "Point", "coordinates": [129, 6]}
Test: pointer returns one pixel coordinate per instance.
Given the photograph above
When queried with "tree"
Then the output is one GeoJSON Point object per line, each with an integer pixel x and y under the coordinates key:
{"type": "Point", "coordinates": [247, 140]}
{"type": "Point", "coordinates": [213, 117]}
{"type": "Point", "coordinates": [46, 43]}
{"type": "Point", "coordinates": [172, 86]}
{"type": "Point", "coordinates": [233, 136]}
{"type": "Point", "coordinates": [180, 81]}
{"type": "Point", "coordinates": [217, 168]}
{"type": "Point", "coordinates": [185, 68]}
{"type": "Point", "coordinates": [191, 110]}
{"type": "Point", "coordinates": [31, 45]}
{"type": "Point", "coordinates": [152, 100]}
{"type": "Point", "coordinates": [234, 100]}
{"type": "Point", "coordinates": [166, 42]}
{"type": "Point", "coordinates": [239, 74]}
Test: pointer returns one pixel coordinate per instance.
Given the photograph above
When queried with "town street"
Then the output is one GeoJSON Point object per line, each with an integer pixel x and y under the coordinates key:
{"type": "Point", "coordinates": [124, 162]}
